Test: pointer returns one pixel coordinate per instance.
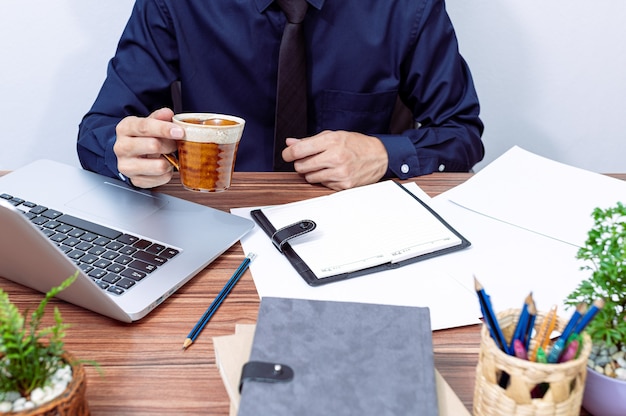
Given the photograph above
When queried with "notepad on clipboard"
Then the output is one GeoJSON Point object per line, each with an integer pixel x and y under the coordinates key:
{"type": "Point", "coordinates": [357, 231]}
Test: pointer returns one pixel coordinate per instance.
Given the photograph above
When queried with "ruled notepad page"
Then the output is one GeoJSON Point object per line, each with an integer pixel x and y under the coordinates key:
{"type": "Point", "coordinates": [363, 227]}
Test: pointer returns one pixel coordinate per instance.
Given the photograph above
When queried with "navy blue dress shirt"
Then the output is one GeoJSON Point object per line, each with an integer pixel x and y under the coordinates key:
{"type": "Point", "coordinates": [361, 55]}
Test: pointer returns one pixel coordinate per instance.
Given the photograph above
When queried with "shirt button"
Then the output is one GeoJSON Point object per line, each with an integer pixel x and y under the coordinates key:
{"type": "Point", "coordinates": [404, 168]}
{"type": "Point", "coordinates": [442, 167]}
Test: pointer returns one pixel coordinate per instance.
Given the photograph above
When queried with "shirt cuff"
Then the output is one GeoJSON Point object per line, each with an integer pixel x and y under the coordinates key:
{"type": "Point", "coordinates": [403, 161]}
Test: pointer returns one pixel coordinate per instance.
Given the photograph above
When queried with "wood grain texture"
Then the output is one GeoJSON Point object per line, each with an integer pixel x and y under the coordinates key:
{"type": "Point", "coordinates": [144, 369]}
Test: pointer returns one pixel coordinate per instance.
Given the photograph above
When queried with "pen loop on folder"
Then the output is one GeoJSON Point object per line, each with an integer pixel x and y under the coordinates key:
{"type": "Point", "coordinates": [289, 232]}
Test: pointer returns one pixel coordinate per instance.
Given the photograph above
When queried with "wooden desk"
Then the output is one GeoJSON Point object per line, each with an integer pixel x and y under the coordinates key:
{"type": "Point", "coordinates": [145, 370]}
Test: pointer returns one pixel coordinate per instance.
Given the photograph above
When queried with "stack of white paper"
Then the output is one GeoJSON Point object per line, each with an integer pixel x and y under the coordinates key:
{"type": "Point", "coordinates": [525, 216]}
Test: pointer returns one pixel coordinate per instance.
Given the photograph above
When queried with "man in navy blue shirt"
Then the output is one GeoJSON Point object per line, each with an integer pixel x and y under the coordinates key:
{"type": "Point", "coordinates": [361, 56]}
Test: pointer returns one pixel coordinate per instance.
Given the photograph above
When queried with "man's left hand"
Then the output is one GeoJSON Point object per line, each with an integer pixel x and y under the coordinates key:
{"type": "Point", "coordinates": [338, 159]}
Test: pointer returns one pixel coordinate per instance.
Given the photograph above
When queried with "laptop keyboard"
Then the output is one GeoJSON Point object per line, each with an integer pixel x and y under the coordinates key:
{"type": "Point", "coordinates": [116, 261]}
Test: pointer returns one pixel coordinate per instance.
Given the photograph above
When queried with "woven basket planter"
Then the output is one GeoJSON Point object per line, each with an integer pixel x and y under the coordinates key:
{"type": "Point", "coordinates": [565, 382]}
{"type": "Point", "coordinates": [72, 402]}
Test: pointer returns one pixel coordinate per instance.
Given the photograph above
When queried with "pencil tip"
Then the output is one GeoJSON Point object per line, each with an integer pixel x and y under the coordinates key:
{"type": "Point", "coordinates": [187, 343]}
{"type": "Point", "coordinates": [477, 284]}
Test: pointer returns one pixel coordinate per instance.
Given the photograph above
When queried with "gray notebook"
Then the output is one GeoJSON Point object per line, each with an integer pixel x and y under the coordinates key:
{"type": "Point", "coordinates": [339, 358]}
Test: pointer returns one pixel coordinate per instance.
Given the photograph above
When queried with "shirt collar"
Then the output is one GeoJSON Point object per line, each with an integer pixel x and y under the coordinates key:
{"type": "Point", "coordinates": [262, 5]}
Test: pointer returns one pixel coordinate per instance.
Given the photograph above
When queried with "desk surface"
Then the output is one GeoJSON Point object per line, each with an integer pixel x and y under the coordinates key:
{"type": "Point", "coordinates": [144, 368]}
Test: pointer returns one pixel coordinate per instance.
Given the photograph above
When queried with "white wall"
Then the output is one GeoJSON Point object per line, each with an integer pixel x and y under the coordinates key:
{"type": "Point", "coordinates": [550, 75]}
{"type": "Point", "coordinates": [53, 61]}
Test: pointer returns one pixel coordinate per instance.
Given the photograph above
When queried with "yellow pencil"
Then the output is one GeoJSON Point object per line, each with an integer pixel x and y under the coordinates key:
{"type": "Point", "coordinates": [543, 336]}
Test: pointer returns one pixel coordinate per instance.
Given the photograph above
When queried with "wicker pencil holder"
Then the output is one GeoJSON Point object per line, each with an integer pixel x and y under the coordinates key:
{"type": "Point", "coordinates": [565, 382]}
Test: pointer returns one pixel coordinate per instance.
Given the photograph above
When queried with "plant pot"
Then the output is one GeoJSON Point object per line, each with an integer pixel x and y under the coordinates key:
{"type": "Point", "coordinates": [604, 396]}
{"type": "Point", "coordinates": [72, 402]}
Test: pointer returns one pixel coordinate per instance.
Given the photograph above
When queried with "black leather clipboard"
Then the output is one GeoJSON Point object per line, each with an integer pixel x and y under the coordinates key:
{"type": "Point", "coordinates": [309, 276]}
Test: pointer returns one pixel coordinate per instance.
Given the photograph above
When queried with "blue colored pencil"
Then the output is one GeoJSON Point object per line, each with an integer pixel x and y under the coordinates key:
{"type": "Point", "coordinates": [532, 315]}
{"type": "Point", "coordinates": [522, 325]}
{"type": "Point", "coordinates": [587, 317]}
{"type": "Point", "coordinates": [218, 301]}
{"type": "Point", "coordinates": [559, 346]}
{"type": "Point", "coordinates": [490, 317]}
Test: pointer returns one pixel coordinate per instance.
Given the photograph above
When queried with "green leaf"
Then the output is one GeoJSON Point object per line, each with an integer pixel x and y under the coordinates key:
{"type": "Point", "coordinates": [24, 352]}
{"type": "Point", "coordinates": [604, 255]}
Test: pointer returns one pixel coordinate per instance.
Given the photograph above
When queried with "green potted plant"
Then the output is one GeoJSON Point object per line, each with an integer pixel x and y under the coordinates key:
{"type": "Point", "coordinates": [37, 375]}
{"type": "Point", "coordinates": [604, 254]}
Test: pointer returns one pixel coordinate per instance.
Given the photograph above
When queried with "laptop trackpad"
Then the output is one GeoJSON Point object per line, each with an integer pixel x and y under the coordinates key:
{"type": "Point", "coordinates": [117, 204]}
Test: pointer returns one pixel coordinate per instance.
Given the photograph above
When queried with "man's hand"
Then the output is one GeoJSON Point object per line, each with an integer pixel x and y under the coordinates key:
{"type": "Point", "coordinates": [141, 142]}
{"type": "Point", "coordinates": [338, 159]}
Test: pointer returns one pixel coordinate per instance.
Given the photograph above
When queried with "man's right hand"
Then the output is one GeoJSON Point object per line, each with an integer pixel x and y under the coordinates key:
{"type": "Point", "coordinates": [140, 144]}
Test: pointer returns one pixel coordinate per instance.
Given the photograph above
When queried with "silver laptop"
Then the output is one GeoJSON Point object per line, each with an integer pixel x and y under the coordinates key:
{"type": "Point", "coordinates": [132, 248]}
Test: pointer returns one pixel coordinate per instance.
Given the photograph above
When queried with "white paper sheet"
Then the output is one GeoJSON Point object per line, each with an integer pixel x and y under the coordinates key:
{"type": "Point", "coordinates": [510, 262]}
{"type": "Point", "coordinates": [524, 216]}
{"type": "Point", "coordinates": [539, 194]}
{"type": "Point", "coordinates": [420, 284]}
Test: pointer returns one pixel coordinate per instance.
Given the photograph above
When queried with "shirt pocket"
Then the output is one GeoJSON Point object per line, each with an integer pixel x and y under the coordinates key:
{"type": "Point", "coordinates": [368, 113]}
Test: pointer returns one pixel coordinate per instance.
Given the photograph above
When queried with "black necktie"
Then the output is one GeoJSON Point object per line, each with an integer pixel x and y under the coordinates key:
{"type": "Point", "coordinates": [291, 117]}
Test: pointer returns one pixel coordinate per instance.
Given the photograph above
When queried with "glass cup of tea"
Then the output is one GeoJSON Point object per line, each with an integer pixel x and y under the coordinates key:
{"type": "Point", "coordinates": [206, 156]}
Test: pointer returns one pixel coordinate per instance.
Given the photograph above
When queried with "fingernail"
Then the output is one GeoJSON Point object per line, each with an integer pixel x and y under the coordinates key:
{"type": "Point", "coordinates": [177, 133]}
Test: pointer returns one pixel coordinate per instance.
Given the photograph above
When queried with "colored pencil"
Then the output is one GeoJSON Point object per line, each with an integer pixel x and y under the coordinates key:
{"type": "Point", "coordinates": [559, 346]}
{"type": "Point", "coordinates": [490, 317]}
{"type": "Point", "coordinates": [596, 306]}
{"type": "Point", "coordinates": [522, 324]}
{"type": "Point", "coordinates": [218, 301]}
{"type": "Point", "coordinates": [543, 336]}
